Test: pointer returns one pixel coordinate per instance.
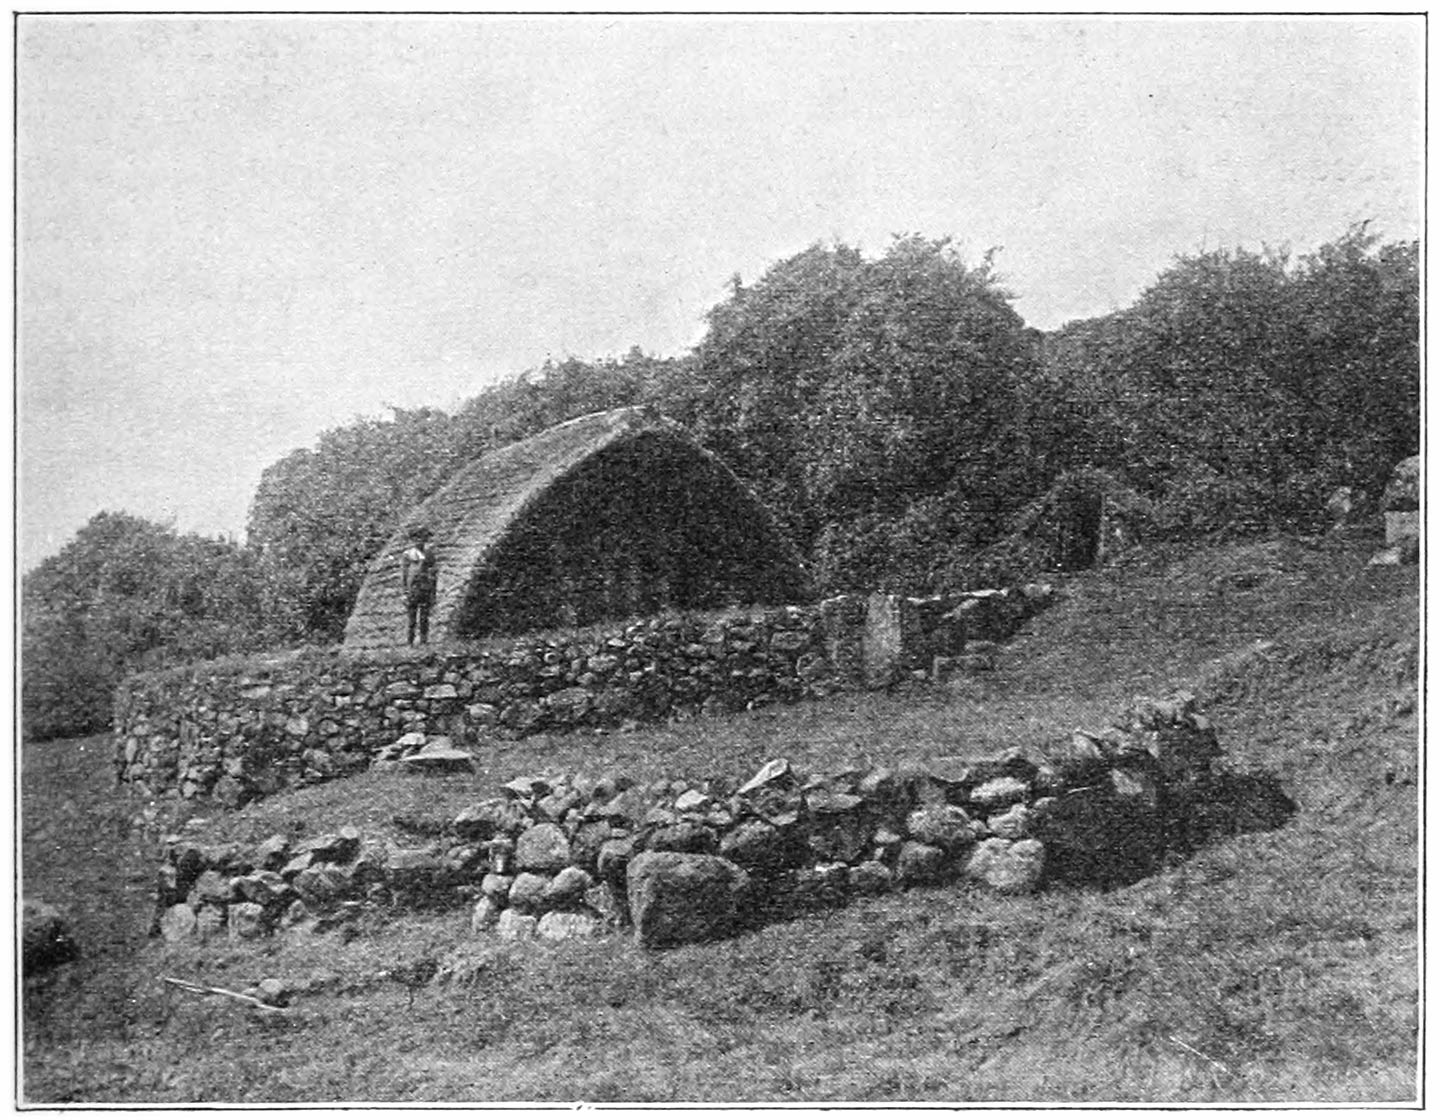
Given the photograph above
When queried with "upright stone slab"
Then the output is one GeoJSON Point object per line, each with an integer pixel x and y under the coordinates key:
{"type": "Point", "coordinates": [1402, 526]}
{"type": "Point", "coordinates": [843, 626]}
{"type": "Point", "coordinates": [884, 639]}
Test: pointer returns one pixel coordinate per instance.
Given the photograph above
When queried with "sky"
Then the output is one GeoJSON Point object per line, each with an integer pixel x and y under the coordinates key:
{"type": "Point", "coordinates": [236, 233]}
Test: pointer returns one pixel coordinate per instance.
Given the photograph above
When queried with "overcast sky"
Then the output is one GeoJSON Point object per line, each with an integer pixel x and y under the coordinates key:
{"type": "Point", "coordinates": [236, 233]}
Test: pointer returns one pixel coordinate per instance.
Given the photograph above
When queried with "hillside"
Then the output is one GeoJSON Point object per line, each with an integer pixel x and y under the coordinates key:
{"type": "Point", "coordinates": [1272, 966]}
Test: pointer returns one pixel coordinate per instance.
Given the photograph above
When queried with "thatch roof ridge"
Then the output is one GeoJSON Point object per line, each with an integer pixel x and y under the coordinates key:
{"type": "Point", "coordinates": [465, 525]}
{"type": "Point", "coordinates": [471, 514]}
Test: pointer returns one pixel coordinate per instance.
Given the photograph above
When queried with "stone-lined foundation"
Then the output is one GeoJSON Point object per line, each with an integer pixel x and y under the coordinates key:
{"type": "Point", "coordinates": [244, 728]}
{"type": "Point", "coordinates": [677, 861]}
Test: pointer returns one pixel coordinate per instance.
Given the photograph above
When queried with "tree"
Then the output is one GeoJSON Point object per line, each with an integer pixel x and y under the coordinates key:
{"type": "Point", "coordinates": [848, 392]}
{"type": "Point", "coordinates": [321, 514]}
{"type": "Point", "coordinates": [1242, 387]}
{"type": "Point", "coordinates": [127, 594]}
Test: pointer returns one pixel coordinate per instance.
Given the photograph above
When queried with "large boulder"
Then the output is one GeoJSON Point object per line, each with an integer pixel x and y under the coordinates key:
{"type": "Point", "coordinates": [1013, 867]}
{"type": "Point", "coordinates": [45, 937]}
{"type": "Point", "coordinates": [681, 897]}
{"type": "Point", "coordinates": [1108, 834]}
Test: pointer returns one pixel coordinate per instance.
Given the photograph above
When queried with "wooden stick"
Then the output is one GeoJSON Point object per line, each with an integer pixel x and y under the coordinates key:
{"type": "Point", "coordinates": [1201, 1054]}
{"type": "Point", "coordinates": [206, 990]}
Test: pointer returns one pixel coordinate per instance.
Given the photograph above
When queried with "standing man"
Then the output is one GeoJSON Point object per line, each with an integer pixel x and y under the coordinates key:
{"type": "Point", "coordinates": [417, 579]}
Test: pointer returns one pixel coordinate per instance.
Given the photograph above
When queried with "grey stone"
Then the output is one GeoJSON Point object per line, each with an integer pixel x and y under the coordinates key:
{"type": "Point", "coordinates": [527, 891]}
{"type": "Point", "coordinates": [1184, 753]}
{"type": "Point", "coordinates": [755, 846]}
{"type": "Point", "coordinates": [295, 914]}
{"type": "Point", "coordinates": [247, 921]}
{"type": "Point", "coordinates": [1135, 787]}
{"type": "Point", "coordinates": [561, 925]}
{"type": "Point", "coordinates": [886, 843]}
{"type": "Point", "coordinates": [680, 897]}
{"type": "Point", "coordinates": [486, 819]}
{"type": "Point", "coordinates": [999, 792]}
{"type": "Point", "coordinates": [821, 887]}
{"type": "Point", "coordinates": [321, 884]}
{"type": "Point", "coordinates": [209, 922]}
{"type": "Point", "coordinates": [332, 847]}
{"type": "Point", "coordinates": [628, 805]}
{"type": "Point", "coordinates": [608, 901]}
{"type": "Point", "coordinates": [614, 857]}
{"type": "Point", "coordinates": [210, 887]}
{"type": "Point", "coordinates": [486, 913]}
{"type": "Point", "coordinates": [275, 993]}
{"type": "Point", "coordinates": [567, 888]}
{"type": "Point", "coordinates": [555, 805]}
{"type": "Point", "coordinates": [687, 836]}
{"type": "Point", "coordinates": [542, 847]}
{"type": "Point", "coordinates": [585, 845]}
{"type": "Point", "coordinates": [497, 887]}
{"type": "Point", "coordinates": [272, 853]}
{"type": "Point", "coordinates": [438, 759]}
{"type": "Point", "coordinates": [919, 863]}
{"type": "Point", "coordinates": [1013, 867]}
{"type": "Point", "coordinates": [262, 887]}
{"type": "Point", "coordinates": [839, 837]}
{"type": "Point", "coordinates": [1402, 492]}
{"type": "Point", "coordinates": [870, 877]}
{"type": "Point", "coordinates": [527, 788]}
{"type": "Point", "coordinates": [1013, 824]}
{"type": "Point", "coordinates": [514, 926]}
{"type": "Point", "coordinates": [942, 826]}
{"type": "Point", "coordinates": [570, 704]}
{"type": "Point", "coordinates": [776, 771]}
{"type": "Point", "coordinates": [692, 801]}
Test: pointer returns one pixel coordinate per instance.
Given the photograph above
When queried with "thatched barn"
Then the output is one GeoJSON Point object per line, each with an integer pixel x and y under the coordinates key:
{"type": "Point", "coordinates": [612, 515]}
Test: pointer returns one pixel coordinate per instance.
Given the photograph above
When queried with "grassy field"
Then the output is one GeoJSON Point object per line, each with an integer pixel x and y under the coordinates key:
{"type": "Point", "coordinates": [1277, 966]}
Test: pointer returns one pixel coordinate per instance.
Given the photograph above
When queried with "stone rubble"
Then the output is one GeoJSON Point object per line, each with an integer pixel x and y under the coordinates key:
{"type": "Point", "coordinates": [569, 856]}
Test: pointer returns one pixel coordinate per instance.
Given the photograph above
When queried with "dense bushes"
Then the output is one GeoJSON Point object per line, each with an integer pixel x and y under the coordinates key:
{"type": "Point", "coordinates": [1241, 389]}
{"type": "Point", "coordinates": [127, 594]}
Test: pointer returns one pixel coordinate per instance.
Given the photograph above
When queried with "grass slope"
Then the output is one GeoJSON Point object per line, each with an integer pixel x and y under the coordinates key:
{"type": "Point", "coordinates": [1274, 966]}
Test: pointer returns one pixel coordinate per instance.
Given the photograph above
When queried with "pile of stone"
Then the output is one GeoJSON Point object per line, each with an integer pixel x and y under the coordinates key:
{"type": "Point", "coordinates": [559, 856]}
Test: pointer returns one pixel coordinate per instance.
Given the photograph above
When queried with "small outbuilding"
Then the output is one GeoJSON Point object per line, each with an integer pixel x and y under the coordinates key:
{"type": "Point", "coordinates": [612, 515]}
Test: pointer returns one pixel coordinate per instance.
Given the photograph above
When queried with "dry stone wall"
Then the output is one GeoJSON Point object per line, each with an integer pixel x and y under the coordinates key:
{"type": "Point", "coordinates": [242, 729]}
{"type": "Point", "coordinates": [561, 856]}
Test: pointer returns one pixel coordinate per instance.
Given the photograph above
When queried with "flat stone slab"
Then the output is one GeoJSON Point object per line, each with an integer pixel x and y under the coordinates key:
{"type": "Point", "coordinates": [439, 760]}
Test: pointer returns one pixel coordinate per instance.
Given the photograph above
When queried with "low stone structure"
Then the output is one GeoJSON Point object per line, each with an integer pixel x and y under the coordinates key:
{"type": "Point", "coordinates": [562, 856]}
{"type": "Point", "coordinates": [247, 727]}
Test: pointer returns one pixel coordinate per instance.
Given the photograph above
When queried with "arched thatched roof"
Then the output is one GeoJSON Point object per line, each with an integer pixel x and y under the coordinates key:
{"type": "Point", "coordinates": [614, 514]}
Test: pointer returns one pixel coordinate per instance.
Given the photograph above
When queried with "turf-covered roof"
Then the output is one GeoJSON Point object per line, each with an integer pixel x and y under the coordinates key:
{"type": "Point", "coordinates": [613, 514]}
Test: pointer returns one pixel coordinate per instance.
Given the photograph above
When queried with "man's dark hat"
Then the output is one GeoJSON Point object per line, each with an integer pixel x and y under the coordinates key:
{"type": "Point", "coordinates": [419, 533]}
